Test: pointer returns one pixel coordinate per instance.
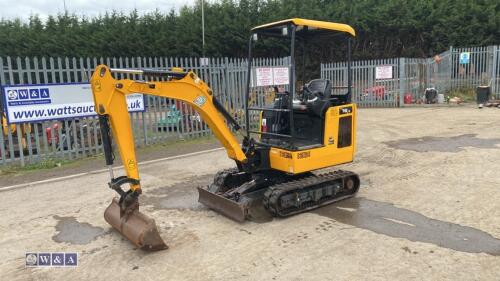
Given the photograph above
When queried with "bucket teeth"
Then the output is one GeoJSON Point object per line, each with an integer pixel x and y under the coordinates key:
{"type": "Point", "coordinates": [135, 226]}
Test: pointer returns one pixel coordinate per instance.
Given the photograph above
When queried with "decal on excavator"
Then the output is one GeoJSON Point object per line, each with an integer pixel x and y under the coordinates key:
{"type": "Point", "coordinates": [345, 110]}
{"type": "Point", "coordinates": [200, 101]}
{"type": "Point", "coordinates": [302, 155]}
{"type": "Point", "coordinates": [97, 86]}
{"type": "Point", "coordinates": [285, 154]}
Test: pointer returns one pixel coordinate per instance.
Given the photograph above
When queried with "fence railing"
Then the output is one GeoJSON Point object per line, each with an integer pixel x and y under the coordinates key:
{"type": "Point", "coordinates": [367, 90]}
{"type": "Point", "coordinates": [411, 76]}
{"type": "Point", "coordinates": [164, 119]}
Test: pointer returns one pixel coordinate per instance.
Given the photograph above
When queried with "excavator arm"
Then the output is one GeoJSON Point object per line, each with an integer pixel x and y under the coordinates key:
{"type": "Point", "coordinates": [110, 103]}
{"type": "Point", "coordinates": [111, 107]}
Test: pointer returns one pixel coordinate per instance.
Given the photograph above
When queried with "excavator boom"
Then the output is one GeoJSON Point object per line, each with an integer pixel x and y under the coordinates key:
{"type": "Point", "coordinates": [111, 107]}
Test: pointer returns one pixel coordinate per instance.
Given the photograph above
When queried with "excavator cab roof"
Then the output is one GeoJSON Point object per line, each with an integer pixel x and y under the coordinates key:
{"type": "Point", "coordinates": [304, 24]}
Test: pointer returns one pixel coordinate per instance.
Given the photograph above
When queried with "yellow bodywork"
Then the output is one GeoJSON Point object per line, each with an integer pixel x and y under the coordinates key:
{"type": "Point", "coordinates": [311, 24]}
{"type": "Point", "coordinates": [25, 129]}
{"type": "Point", "coordinates": [6, 126]}
{"type": "Point", "coordinates": [296, 162]}
{"type": "Point", "coordinates": [109, 97]}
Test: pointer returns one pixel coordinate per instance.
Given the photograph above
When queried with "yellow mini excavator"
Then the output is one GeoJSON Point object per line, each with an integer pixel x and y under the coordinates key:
{"type": "Point", "coordinates": [300, 132]}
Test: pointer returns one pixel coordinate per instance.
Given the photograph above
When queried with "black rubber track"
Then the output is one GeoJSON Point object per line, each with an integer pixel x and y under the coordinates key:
{"type": "Point", "coordinates": [272, 195]}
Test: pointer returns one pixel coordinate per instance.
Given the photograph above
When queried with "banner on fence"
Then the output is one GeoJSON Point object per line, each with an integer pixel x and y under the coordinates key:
{"type": "Point", "coordinates": [35, 103]}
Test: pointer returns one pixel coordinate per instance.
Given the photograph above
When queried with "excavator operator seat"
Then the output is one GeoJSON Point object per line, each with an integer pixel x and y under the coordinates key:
{"type": "Point", "coordinates": [321, 87]}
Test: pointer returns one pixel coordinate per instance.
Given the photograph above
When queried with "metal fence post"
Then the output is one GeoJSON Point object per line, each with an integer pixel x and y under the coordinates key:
{"type": "Point", "coordinates": [450, 68]}
{"type": "Point", "coordinates": [144, 130]}
{"type": "Point", "coordinates": [494, 70]}
{"type": "Point", "coordinates": [402, 81]}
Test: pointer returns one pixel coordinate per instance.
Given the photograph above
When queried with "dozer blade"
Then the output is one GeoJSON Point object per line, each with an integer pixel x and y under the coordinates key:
{"type": "Point", "coordinates": [135, 226]}
{"type": "Point", "coordinates": [238, 211]}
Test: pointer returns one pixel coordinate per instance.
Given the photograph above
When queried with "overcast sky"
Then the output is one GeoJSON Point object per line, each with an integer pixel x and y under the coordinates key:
{"type": "Point", "coordinates": [10, 9]}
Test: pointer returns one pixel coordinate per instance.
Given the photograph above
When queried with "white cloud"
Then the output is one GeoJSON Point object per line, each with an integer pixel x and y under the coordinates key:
{"type": "Point", "coordinates": [10, 9]}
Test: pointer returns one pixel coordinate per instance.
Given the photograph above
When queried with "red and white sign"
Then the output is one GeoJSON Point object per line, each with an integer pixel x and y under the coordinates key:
{"type": "Point", "coordinates": [264, 76]}
{"type": "Point", "coordinates": [383, 72]}
{"type": "Point", "coordinates": [268, 76]}
{"type": "Point", "coordinates": [281, 76]}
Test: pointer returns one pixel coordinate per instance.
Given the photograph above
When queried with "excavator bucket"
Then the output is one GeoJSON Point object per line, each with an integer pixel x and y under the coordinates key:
{"type": "Point", "coordinates": [135, 226]}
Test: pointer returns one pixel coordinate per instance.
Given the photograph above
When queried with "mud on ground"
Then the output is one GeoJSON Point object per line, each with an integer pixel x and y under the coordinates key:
{"type": "Point", "coordinates": [427, 210]}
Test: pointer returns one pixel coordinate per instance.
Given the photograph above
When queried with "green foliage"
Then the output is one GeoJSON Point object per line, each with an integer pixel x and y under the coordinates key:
{"type": "Point", "coordinates": [466, 94]}
{"type": "Point", "coordinates": [386, 28]}
{"type": "Point", "coordinates": [42, 165]}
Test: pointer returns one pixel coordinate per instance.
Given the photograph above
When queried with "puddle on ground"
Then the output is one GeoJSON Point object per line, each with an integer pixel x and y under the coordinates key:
{"type": "Point", "coordinates": [443, 144]}
{"type": "Point", "coordinates": [385, 218]}
{"type": "Point", "coordinates": [183, 195]}
{"type": "Point", "coordinates": [74, 232]}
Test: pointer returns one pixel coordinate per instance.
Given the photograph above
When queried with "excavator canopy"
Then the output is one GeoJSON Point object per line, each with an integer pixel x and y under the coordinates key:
{"type": "Point", "coordinates": [311, 24]}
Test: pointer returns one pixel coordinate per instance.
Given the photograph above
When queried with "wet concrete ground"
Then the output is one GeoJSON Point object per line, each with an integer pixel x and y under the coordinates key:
{"type": "Point", "coordinates": [427, 210]}
{"type": "Point", "coordinates": [386, 219]}
{"type": "Point", "coordinates": [74, 232]}
{"type": "Point", "coordinates": [379, 217]}
{"type": "Point", "coordinates": [443, 144]}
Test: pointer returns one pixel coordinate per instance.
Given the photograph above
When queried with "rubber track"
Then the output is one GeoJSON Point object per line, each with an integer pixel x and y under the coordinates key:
{"type": "Point", "coordinates": [272, 195]}
{"type": "Point", "coordinates": [221, 175]}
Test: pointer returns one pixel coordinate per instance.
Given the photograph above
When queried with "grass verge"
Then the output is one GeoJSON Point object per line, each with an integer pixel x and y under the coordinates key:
{"type": "Point", "coordinates": [152, 151]}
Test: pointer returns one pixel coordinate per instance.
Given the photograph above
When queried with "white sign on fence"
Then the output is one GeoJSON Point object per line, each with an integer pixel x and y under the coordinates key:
{"type": "Point", "coordinates": [264, 76]}
{"type": "Point", "coordinates": [281, 76]}
{"type": "Point", "coordinates": [383, 72]}
{"type": "Point", "coordinates": [204, 61]}
{"type": "Point", "coordinates": [268, 76]}
{"type": "Point", "coordinates": [35, 103]}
